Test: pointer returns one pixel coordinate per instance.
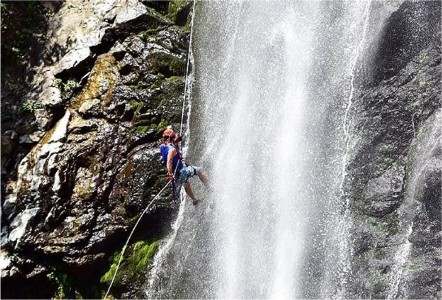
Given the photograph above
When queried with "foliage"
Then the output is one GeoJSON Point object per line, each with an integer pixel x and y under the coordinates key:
{"type": "Point", "coordinates": [178, 13]}
{"type": "Point", "coordinates": [423, 83]}
{"type": "Point", "coordinates": [161, 126]}
{"type": "Point", "coordinates": [132, 265]}
{"type": "Point", "coordinates": [66, 88]}
{"type": "Point", "coordinates": [20, 21]}
{"type": "Point", "coordinates": [174, 7]}
{"type": "Point", "coordinates": [389, 224]}
{"type": "Point", "coordinates": [66, 285]}
{"type": "Point", "coordinates": [423, 57]}
{"type": "Point", "coordinates": [27, 107]}
{"type": "Point", "coordinates": [414, 266]}
{"type": "Point", "coordinates": [385, 159]}
{"type": "Point", "coordinates": [177, 66]}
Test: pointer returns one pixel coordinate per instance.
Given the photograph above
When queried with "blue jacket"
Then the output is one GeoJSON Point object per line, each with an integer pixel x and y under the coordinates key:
{"type": "Point", "coordinates": [176, 160]}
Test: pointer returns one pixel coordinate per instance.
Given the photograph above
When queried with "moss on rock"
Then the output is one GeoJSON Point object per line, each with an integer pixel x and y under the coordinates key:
{"type": "Point", "coordinates": [101, 82]}
{"type": "Point", "coordinates": [132, 266]}
{"type": "Point", "coordinates": [178, 11]}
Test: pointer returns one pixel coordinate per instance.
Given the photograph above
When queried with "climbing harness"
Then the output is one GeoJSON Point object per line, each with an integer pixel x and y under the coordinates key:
{"type": "Point", "coordinates": [187, 90]}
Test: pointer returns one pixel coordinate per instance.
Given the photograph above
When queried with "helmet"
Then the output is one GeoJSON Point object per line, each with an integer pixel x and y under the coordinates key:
{"type": "Point", "coordinates": [168, 132]}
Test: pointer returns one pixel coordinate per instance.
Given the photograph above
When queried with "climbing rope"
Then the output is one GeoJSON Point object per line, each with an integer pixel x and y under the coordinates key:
{"type": "Point", "coordinates": [186, 94]}
{"type": "Point", "coordinates": [130, 235]}
{"type": "Point", "coordinates": [187, 85]}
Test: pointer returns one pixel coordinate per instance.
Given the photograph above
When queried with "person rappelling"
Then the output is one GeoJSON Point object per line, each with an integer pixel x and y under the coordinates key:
{"type": "Point", "coordinates": [177, 171]}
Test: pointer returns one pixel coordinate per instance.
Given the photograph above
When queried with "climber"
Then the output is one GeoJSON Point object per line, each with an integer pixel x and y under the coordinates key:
{"type": "Point", "coordinates": [177, 171]}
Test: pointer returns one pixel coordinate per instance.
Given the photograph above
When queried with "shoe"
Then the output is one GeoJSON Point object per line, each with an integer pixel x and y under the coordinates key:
{"type": "Point", "coordinates": [195, 202]}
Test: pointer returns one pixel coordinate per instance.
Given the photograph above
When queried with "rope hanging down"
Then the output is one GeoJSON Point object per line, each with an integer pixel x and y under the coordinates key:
{"type": "Point", "coordinates": [187, 85]}
{"type": "Point", "coordinates": [186, 92]}
{"type": "Point", "coordinates": [130, 235]}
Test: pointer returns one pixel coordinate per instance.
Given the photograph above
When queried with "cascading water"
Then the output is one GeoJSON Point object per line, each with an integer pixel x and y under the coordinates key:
{"type": "Point", "coordinates": [422, 151]}
{"type": "Point", "coordinates": [273, 81]}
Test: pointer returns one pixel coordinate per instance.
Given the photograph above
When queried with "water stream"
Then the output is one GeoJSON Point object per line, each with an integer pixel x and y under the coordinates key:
{"type": "Point", "coordinates": [274, 81]}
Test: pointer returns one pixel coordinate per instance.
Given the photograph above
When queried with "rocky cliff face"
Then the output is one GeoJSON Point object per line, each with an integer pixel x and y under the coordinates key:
{"type": "Point", "coordinates": [80, 131]}
{"type": "Point", "coordinates": [394, 170]}
{"type": "Point", "coordinates": [86, 94]}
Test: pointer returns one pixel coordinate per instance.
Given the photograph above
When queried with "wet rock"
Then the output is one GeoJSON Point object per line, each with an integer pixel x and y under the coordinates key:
{"type": "Point", "coordinates": [31, 138]}
{"type": "Point", "coordinates": [408, 31]}
{"type": "Point", "coordinates": [19, 225]}
{"type": "Point", "coordinates": [384, 194]}
{"type": "Point", "coordinates": [90, 108]}
{"type": "Point", "coordinates": [393, 186]}
{"type": "Point", "coordinates": [127, 64]}
{"type": "Point", "coordinates": [72, 60]}
{"type": "Point", "coordinates": [173, 40]}
{"type": "Point", "coordinates": [426, 237]}
{"type": "Point", "coordinates": [91, 166]}
{"type": "Point", "coordinates": [135, 16]}
{"type": "Point", "coordinates": [9, 142]}
{"type": "Point", "coordinates": [133, 10]}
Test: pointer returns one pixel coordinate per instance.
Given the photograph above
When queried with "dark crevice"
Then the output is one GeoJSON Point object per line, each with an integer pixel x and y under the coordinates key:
{"type": "Point", "coordinates": [107, 42]}
{"type": "Point", "coordinates": [149, 137]}
{"type": "Point", "coordinates": [182, 15]}
{"type": "Point", "coordinates": [166, 71]}
{"type": "Point", "coordinates": [408, 31]}
{"type": "Point", "coordinates": [160, 6]}
{"type": "Point", "coordinates": [78, 71]}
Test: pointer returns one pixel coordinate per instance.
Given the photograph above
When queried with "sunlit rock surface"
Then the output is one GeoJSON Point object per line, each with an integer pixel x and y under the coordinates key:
{"type": "Point", "coordinates": [110, 80]}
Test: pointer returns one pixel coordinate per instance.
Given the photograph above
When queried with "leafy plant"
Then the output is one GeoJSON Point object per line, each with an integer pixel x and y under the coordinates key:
{"type": "Point", "coordinates": [131, 266]}
{"type": "Point", "coordinates": [27, 107]}
{"type": "Point", "coordinates": [66, 88]}
{"type": "Point", "coordinates": [423, 83]}
{"type": "Point", "coordinates": [66, 285]}
{"type": "Point", "coordinates": [423, 57]}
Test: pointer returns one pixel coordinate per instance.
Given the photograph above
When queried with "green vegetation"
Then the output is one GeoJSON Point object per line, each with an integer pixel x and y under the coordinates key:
{"type": "Point", "coordinates": [174, 7]}
{"type": "Point", "coordinates": [423, 57]}
{"type": "Point", "coordinates": [175, 80]}
{"type": "Point", "coordinates": [167, 64]}
{"type": "Point", "coordinates": [22, 21]}
{"type": "Point", "coordinates": [65, 284]}
{"type": "Point", "coordinates": [389, 224]}
{"type": "Point", "coordinates": [66, 88]}
{"type": "Point", "coordinates": [27, 107]}
{"type": "Point", "coordinates": [152, 126]}
{"type": "Point", "coordinates": [413, 266]}
{"type": "Point", "coordinates": [68, 287]}
{"type": "Point", "coordinates": [177, 65]}
{"type": "Point", "coordinates": [134, 104]}
{"type": "Point", "coordinates": [384, 162]}
{"type": "Point", "coordinates": [4, 8]}
{"type": "Point", "coordinates": [384, 159]}
{"type": "Point", "coordinates": [386, 149]}
{"type": "Point", "coordinates": [373, 254]}
{"type": "Point", "coordinates": [132, 266]}
{"type": "Point", "coordinates": [422, 83]}
{"type": "Point", "coordinates": [178, 13]}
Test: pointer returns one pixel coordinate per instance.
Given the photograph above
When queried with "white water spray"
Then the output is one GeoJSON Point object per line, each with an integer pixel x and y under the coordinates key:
{"type": "Point", "coordinates": [426, 144]}
{"type": "Point", "coordinates": [400, 258]}
{"type": "Point", "coordinates": [345, 249]}
{"type": "Point", "coordinates": [271, 79]}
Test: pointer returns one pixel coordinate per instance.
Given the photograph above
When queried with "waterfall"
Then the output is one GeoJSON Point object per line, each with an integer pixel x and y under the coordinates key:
{"type": "Point", "coordinates": [274, 81]}
{"type": "Point", "coordinates": [400, 261]}
{"type": "Point", "coordinates": [345, 251]}
{"type": "Point", "coordinates": [421, 152]}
